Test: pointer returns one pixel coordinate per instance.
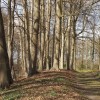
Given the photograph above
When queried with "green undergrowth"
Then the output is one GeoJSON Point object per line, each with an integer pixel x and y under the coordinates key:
{"type": "Point", "coordinates": [12, 96]}
{"type": "Point", "coordinates": [84, 70]}
{"type": "Point", "coordinates": [52, 93]}
{"type": "Point", "coordinates": [56, 79]}
{"type": "Point", "coordinates": [59, 79]}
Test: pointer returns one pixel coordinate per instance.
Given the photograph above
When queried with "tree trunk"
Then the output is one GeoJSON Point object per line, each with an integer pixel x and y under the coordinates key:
{"type": "Point", "coordinates": [30, 72]}
{"type": "Point", "coordinates": [48, 16]}
{"type": "Point", "coordinates": [36, 32]}
{"type": "Point", "coordinates": [68, 40]}
{"type": "Point", "coordinates": [62, 43]}
{"type": "Point", "coordinates": [99, 53]}
{"type": "Point", "coordinates": [5, 71]}
{"type": "Point", "coordinates": [57, 33]}
{"type": "Point", "coordinates": [12, 40]}
{"type": "Point", "coordinates": [9, 45]}
{"type": "Point", "coordinates": [42, 35]}
{"type": "Point", "coordinates": [73, 39]}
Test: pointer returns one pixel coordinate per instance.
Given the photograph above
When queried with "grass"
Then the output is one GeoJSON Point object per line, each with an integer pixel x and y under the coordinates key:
{"type": "Point", "coordinates": [12, 96]}
{"type": "Point", "coordinates": [59, 79]}
{"type": "Point", "coordinates": [53, 93]}
{"type": "Point", "coordinates": [85, 70]}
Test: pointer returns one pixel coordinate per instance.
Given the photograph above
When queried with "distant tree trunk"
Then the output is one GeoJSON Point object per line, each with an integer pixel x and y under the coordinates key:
{"type": "Point", "coordinates": [42, 35]}
{"type": "Point", "coordinates": [23, 37]}
{"type": "Point", "coordinates": [5, 71]}
{"type": "Point", "coordinates": [22, 53]}
{"type": "Point", "coordinates": [36, 32]}
{"type": "Point", "coordinates": [93, 50]}
{"type": "Point", "coordinates": [53, 49]}
{"type": "Point", "coordinates": [31, 31]}
{"type": "Point", "coordinates": [48, 16]}
{"type": "Point", "coordinates": [82, 64]}
{"type": "Point", "coordinates": [57, 33]}
{"type": "Point", "coordinates": [12, 39]}
{"type": "Point", "coordinates": [73, 46]}
{"type": "Point", "coordinates": [62, 53]}
{"type": "Point", "coordinates": [62, 43]}
{"type": "Point", "coordinates": [68, 40]}
{"type": "Point", "coordinates": [9, 33]}
{"type": "Point", "coordinates": [99, 53]}
{"type": "Point", "coordinates": [30, 72]}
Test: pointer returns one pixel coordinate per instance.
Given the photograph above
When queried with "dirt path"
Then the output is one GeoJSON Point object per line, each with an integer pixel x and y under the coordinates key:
{"type": "Point", "coordinates": [89, 85]}
{"type": "Point", "coordinates": [94, 97]}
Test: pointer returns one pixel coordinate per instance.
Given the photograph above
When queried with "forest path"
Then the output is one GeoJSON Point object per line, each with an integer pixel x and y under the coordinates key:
{"type": "Point", "coordinates": [61, 85]}
{"type": "Point", "coordinates": [89, 85]}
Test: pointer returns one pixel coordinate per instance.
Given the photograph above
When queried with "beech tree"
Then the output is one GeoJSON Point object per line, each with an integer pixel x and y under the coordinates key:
{"type": "Point", "coordinates": [5, 71]}
{"type": "Point", "coordinates": [36, 32]}
{"type": "Point", "coordinates": [57, 33]}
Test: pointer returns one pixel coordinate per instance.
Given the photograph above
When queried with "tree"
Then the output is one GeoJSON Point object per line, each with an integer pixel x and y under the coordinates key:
{"type": "Point", "coordinates": [5, 71]}
{"type": "Point", "coordinates": [57, 33]}
{"type": "Point", "coordinates": [42, 35]}
{"type": "Point", "coordinates": [10, 33]}
{"type": "Point", "coordinates": [36, 32]}
{"type": "Point", "coordinates": [48, 17]}
{"type": "Point", "coordinates": [99, 53]}
{"type": "Point", "coordinates": [30, 72]}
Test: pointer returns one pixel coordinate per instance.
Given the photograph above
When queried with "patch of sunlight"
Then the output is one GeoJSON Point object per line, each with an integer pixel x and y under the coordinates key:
{"type": "Point", "coordinates": [12, 96]}
{"type": "Point", "coordinates": [85, 71]}
{"type": "Point", "coordinates": [94, 83]}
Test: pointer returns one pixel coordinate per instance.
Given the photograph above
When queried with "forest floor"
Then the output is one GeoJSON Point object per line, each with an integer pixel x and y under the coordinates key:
{"type": "Point", "coordinates": [61, 85]}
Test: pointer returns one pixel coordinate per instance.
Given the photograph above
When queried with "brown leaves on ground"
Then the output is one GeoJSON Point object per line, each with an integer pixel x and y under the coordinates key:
{"type": "Point", "coordinates": [51, 85]}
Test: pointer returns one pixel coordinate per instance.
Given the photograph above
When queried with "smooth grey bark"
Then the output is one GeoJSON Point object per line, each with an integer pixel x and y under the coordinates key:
{"type": "Point", "coordinates": [42, 35]}
{"type": "Point", "coordinates": [9, 41]}
{"type": "Point", "coordinates": [48, 17]}
{"type": "Point", "coordinates": [30, 71]}
{"type": "Point", "coordinates": [36, 32]}
{"type": "Point", "coordinates": [57, 34]}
